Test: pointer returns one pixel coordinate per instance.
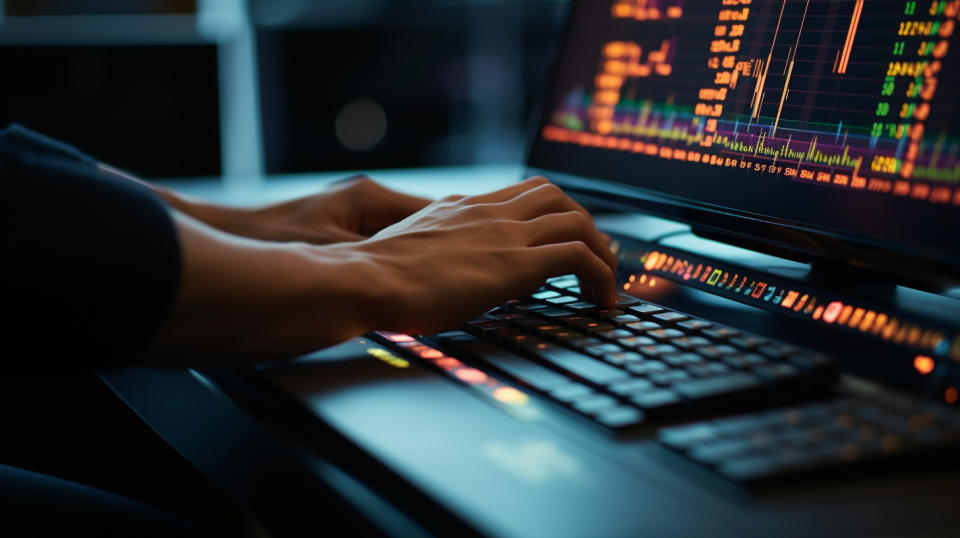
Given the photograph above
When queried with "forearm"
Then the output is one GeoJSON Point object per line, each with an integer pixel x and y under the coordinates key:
{"type": "Point", "coordinates": [244, 300]}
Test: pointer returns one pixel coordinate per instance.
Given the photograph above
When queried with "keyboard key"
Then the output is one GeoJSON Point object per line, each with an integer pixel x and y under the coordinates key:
{"type": "Point", "coordinates": [725, 385]}
{"type": "Point", "coordinates": [658, 402]}
{"type": "Point", "coordinates": [658, 351]}
{"type": "Point", "coordinates": [668, 377]}
{"type": "Point", "coordinates": [670, 317]}
{"type": "Point", "coordinates": [665, 334]}
{"type": "Point", "coordinates": [684, 437]}
{"type": "Point", "coordinates": [594, 404]}
{"type": "Point", "coordinates": [563, 299]}
{"type": "Point", "coordinates": [602, 349]}
{"type": "Point", "coordinates": [626, 300]}
{"type": "Point", "coordinates": [744, 361]}
{"type": "Point", "coordinates": [519, 367]}
{"type": "Point", "coordinates": [689, 342]}
{"type": "Point", "coordinates": [582, 343]}
{"type": "Point", "coordinates": [555, 314]}
{"type": "Point", "coordinates": [682, 359]}
{"type": "Point", "coordinates": [623, 357]}
{"type": "Point", "coordinates": [581, 365]}
{"type": "Point", "coordinates": [614, 334]}
{"type": "Point", "coordinates": [777, 351]}
{"type": "Point", "coordinates": [694, 324]}
{"type": "Point", "coordinates": [646, 367]}
{"type": "Point", "coordinates": [630, 386]}
{"type": "Point", "coordinates": [642, 326]}
{"type": "Point", "coordinates": [721, 333]}
{"type": "Point", "coordinates": [644, 310]}
{"type": "Point", "coordinates": [620, 416]}
{"type": "Point", "coordinates": [546, 294]}
{"type": "Point", "coordinates": [749, 342]}
{"type": "Point", "coordinates": [571, 391]}
{"type": "Point", "coordinates": [455, 336]}
{"type": "Point", "coordinates": [636, 341]}
{"type": "Point", "coordinates": [715, 352]}
{"type": "Point", "coordinates": [708, 369]}
{"type": "Point", "coordinates": [578, 306]}
{"type": "Point", "coordinates": [623, 319]}
{"type": "Point", "coordinates": [562, 282]}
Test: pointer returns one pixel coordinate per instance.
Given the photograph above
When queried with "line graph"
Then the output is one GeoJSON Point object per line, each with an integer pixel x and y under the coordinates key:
{"type": "Point", "coordinates": [829, 92]}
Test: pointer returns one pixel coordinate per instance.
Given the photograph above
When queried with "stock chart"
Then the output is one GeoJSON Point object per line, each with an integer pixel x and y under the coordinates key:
{"type": "Point", "coordinates": [857, 95]}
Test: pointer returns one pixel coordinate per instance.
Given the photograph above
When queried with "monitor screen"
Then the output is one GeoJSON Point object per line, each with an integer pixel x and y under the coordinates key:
{"type": "Point", "coordinates": [839, 118]}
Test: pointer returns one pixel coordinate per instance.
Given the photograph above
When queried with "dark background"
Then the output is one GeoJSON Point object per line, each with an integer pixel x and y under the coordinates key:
{"type": "Point", "coordinates": [138, 84]}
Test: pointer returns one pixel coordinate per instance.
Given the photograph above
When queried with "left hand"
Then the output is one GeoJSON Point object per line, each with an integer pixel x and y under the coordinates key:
{"type": "Point", "coordinates": [351, 210]}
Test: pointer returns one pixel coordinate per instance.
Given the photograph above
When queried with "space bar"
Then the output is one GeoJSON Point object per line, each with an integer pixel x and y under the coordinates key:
{"type": "Point", "coordinates": [519, 367]}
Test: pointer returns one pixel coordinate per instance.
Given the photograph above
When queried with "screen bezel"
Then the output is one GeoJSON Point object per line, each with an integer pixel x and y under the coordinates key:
{"type": "Point", "coordinates": [920, 266]}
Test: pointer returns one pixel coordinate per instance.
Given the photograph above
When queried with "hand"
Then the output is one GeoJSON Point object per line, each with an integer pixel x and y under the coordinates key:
{"type": "Point", "coordinates": [351, 210]}
{"type": "Point", "coordinates": [462, 255]}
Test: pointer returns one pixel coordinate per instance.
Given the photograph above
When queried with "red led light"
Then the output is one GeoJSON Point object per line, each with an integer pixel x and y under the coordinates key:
{"type": "Point", "coordinates": [471, 376]}
{"type": "Point", "coordinates": [430, 353]}
{"type": "Point", "coordinates": [950, 396]}
{"type": "Point", "coordinates": [395, 337]}
{"type": "Point", "coordinates": [449, 363]}
{"type": "Point", "coordinates": [923, 364]}
{"type": "Point", "coordinates": [832, 312]}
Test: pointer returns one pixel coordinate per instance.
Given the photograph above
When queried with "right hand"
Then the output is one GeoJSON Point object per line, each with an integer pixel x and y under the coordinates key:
{"type": "Point", "coordinates": [461, 255]}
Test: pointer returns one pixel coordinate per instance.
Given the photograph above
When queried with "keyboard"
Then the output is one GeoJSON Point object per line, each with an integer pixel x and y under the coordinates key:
{"type": "Point", "coordinates": [641, 365]}
{"type": "Point", "coordinates": [637, 363]}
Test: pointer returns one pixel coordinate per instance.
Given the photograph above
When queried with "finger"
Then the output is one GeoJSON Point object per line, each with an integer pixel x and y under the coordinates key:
{"type": "Point", "coordinates": [508, 193]}
{"type": "Point", "coordinates": [384, 207]}
{"type": "Point", "coordinates": [566, 227]}
{"type": "Point", "coordinates": [547, 198]}
{"type": "Point", "coordinates": [576, 257]}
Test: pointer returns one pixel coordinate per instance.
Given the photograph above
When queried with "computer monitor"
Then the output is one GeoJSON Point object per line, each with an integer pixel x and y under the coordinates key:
{"type": "Point", "coordinates": [821, 130]}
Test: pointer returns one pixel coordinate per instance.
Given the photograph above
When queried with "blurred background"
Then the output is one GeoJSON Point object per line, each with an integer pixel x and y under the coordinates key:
{"type": "Point", "coordinates": [243, 88]}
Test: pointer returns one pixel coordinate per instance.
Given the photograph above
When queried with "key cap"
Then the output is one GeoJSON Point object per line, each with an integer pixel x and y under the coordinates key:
{"type": "Point", "coordinates": [669, 377]}
{"type": "Point", "coordinates": [546, 294]}
{"type": "Point", "coordinates": [578, 306]}
{"type": "Point", "coordinates": [614, 334]}
{"type": "Point", "coordinates": [694, 324]}
{"type": "Point", "coordinates": [626, 300]}
{"type": "Point", "coordinates": [519, 367]}
{"type": "Point", "coordinates": [602, 349]}
{"type": "Point", "coordinates": [585, 367]}
{"type": "Point", "coordinates": [594, 404]}
{"type": "Point", "coordinates": [661, 402]}
{"type": "Point", "coordinates": [636, 341]}
{"type": "Point", "coordinates": [659, 350]}
{"type": "Point", "coordinates": [646, 367]}
{"type": "Point", "coordinates": [724, 385]}
{"type": "Point", "coordinates": [630, 386]}
{"type": "Point", "coordinates": [665, 334]}
{"type": "Point", "coordinates": [721, 333]}
{"type": "Point", "coordinates": [644, 310]}
{"type": "Point", "coordinates": [670, 317]}
{"type": "Point", "coordinates": [689, 342]}
{"type": "Point", "coordinates": [643, 326]}
{"type": "Point", "coordinates": [563, 299]}
{"type": "Point", "coordinates": [622, 357]}
{"type": "Point", "coordinates": [623, 319]}
{"type": "Point", "coordinates": [715, 352]}
{"type": "Point", "coordinates": [620, 416]}
{"type": "Point", "coordinates": [685, 437]}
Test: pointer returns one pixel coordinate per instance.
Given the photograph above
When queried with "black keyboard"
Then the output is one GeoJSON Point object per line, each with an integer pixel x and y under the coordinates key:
{"type": "Point", "coordinates": [642, 364]}
{"type": "Point", "coordinates": [801, 440]}
{"type": "Point", "coordinates": [638, 362]}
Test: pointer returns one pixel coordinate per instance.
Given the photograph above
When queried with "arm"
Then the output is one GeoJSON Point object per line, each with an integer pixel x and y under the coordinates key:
{"type": "Point", "coordinates": [349, 210]}
{"type": "Point", "coordinates": [248, 300]}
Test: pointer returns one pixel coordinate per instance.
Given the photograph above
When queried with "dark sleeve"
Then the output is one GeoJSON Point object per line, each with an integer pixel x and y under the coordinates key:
{"type": "Point", "coordinates": [91, 262]}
